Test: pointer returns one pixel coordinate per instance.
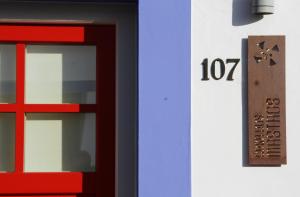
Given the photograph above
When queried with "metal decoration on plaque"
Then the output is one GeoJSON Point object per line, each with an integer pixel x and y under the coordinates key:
{"type": "Point", "coordinates": [266, 100]}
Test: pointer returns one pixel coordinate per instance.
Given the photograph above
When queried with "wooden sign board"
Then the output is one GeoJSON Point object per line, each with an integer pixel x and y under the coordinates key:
{"type": "Point", "coordinates": [266, 100]}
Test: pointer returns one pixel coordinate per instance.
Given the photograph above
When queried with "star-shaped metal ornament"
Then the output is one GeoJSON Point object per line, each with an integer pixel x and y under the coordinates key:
{"type": "Point", "coordinates": [266, 54]}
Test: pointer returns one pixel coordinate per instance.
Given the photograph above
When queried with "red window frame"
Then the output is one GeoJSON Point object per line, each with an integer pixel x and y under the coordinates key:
{"type": "Point", "coordinates": [101, 182]}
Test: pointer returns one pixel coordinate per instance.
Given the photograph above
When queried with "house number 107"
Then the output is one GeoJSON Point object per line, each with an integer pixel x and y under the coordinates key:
{"type": "Point", "coordinates": [218, 63]}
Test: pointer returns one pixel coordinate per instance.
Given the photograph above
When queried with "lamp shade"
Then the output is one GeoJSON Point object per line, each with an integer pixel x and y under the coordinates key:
{"type": "Point", "coordinates": [262, 7]}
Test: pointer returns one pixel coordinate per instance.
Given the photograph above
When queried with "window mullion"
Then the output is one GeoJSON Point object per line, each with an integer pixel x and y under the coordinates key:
{"type": "Point", "coordinates": [20, 120]}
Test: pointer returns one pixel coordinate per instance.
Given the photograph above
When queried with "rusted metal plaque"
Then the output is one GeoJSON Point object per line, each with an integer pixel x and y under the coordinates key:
{"type": "Point", "coordinates": [266, 100]}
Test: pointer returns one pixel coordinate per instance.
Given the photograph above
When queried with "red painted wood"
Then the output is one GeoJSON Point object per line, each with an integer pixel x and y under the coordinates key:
{"type": "Point", "coordinates": [20, 78]}
{"type": "Point", "coordinates": [8, 107]}
{"type": "Point", "coordinates": [51, 195]}
{"type": "Point", "coordinates": [48, 107]}
{"type": "Point", "coordinates": [89, 34]}
{"type": "Point", "coordinates": [60, 107]}
{"type": "Point", "coordinates": [47, 183]}
{"type": "Point", "coordinates": [36, 195]}
{"type": "Point", "coordinates": [41, 33]}
{"type": "Point", "coordinates": [106, 114]}
{"type": "Point", "coordinates": [79, 184]}
{"type": "Point", "coordinates": [20, 72]}
{"type": "Point", "coordinates": [19, 151]}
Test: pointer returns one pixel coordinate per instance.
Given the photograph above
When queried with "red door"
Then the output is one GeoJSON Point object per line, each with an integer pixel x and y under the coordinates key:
{"type": "Point", "coordinates": [48, 160]}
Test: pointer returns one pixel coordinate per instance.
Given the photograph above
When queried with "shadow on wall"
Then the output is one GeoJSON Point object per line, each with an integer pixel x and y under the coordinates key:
{"type": "Point", "coordinates": [241, 13]}
{"type": "Point", "coordinates": [244, 52]}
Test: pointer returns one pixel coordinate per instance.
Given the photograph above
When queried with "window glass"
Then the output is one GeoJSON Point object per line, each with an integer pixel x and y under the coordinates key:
{"type": "Point", "coordinates": [7, 73]}
{"type": "Point", "coordinates": [59, 142]}
{"type": "Point", "coordinates": [60, 74]}
{"type": "Point", "coordinates": [7, 141]}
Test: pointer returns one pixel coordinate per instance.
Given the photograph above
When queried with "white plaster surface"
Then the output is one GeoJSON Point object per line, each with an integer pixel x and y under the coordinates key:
{"type": "Point", "coordinates": [218, 28]}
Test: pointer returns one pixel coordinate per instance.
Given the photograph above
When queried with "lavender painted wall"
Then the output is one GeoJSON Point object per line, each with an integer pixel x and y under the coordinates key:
{"type": "Point", "coordinates": [164, 98]}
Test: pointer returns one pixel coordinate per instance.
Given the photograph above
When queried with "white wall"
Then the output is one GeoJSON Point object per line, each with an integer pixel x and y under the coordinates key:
{"type": "Point", "coordinates": [218, 119]}
{"type": "Point", "coordinates": [124, 16]}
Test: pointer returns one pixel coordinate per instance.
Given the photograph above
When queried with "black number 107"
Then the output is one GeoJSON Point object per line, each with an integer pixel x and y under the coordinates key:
{"type": "Point", "coordinates": [218, 62]}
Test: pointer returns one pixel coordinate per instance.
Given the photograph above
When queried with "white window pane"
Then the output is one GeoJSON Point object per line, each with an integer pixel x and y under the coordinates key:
{"type": "Point", "coordinates": [7, 142]}
{"type": "Point", "coordinates": [60, 74]}
{"type": "Point", "coordinates": [7, 73]}
{"type": "Point", "coordinates": [59, 142]}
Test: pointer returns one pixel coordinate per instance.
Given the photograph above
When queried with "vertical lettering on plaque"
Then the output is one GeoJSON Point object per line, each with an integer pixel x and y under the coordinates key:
{"type": "Point", "coordinates": [266, 100]}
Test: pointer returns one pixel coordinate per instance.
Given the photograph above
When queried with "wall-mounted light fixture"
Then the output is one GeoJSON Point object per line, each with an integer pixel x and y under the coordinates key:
{"type": "Point", "coordinates": [262, 7]}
